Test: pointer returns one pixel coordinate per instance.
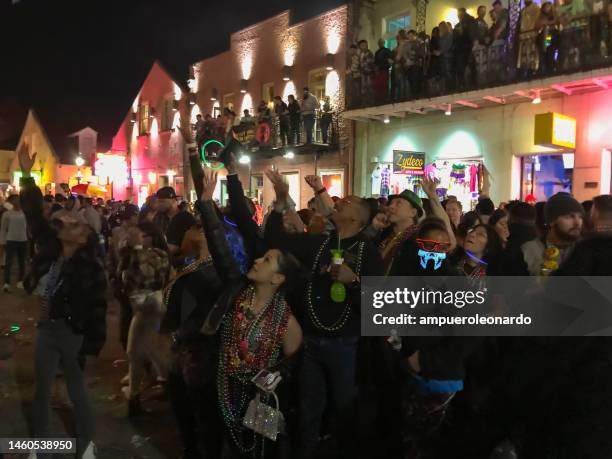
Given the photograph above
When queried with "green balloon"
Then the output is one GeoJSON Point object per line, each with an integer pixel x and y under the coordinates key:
{"type": "Point", "coordinates": [338, 292]}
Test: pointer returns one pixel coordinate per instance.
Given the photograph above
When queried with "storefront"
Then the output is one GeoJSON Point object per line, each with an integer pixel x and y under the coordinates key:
{"type": "Point", "coordinates": [496, 144]}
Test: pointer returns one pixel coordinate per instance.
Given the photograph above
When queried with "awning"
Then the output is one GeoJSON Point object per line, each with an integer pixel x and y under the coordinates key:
{"type": "Point", "coordinates": [89, 189]}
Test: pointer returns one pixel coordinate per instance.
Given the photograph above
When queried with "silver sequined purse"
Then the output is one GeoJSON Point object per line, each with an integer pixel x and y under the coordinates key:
{"type": "Point", "coordinates": [264, 419]}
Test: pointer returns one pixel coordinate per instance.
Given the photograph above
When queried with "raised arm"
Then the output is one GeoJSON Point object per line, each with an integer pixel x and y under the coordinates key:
{"type": "Point", "coordinates": [324, 201]}
{"type": "Point", "coordinates": [226, 266]}
{"type": "Point", "coordinates": [429, 186]}
{"type": "Point", "coordinates": [302, 245]}
{"type": "Point", "coordinates": [240, 211]}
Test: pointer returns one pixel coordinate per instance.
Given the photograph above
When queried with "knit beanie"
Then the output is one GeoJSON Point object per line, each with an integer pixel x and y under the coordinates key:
{"type": "Point", "coordinates": [561, 204]}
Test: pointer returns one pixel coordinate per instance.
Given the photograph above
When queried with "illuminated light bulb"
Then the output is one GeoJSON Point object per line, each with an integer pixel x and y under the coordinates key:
{"type": "Point", "coordinates": [79, 161]}
{"type": "Point", "coordinates": [448, 111]}
{"type": "Point", "coordinates": [244, 159]}
{"type": "Point", "coordinates": [386, 120]}
{"type": "Point", "coordinates": [289, 155]}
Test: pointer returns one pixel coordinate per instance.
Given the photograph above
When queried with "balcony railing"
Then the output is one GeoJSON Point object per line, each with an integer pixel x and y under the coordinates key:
{"type": "Point", "coordinates": [268, 134]}
{"type": "Point", "coordinates": [585, 43]}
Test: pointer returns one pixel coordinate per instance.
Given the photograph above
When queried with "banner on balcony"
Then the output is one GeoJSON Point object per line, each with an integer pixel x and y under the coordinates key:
{"type": "Point", "coordinates": [408, 162]}
{"type": "Point", "coordinates": [555, 130]}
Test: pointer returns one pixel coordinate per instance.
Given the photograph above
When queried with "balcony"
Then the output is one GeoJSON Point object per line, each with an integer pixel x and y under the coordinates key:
{"type": "Point", "coordinates": [570, 59]}
{"type": "Point", "coordinates": [262, 137]}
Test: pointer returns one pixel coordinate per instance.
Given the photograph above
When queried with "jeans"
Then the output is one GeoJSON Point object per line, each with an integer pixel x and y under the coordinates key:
{"type": "Point", "coordinates": [284, 131]}
{"type": "Point", "coordinates": [15, 249]}
{"type": "Point", "coordinates": [58, 347]}
{"type": "Point", "coordinates": [325, 123]}
{"type": "Point", "coordinates": [329, 367]}
{"type": "Point", "coordinates": [294, 133]}
{"type": "Point", "coordinates": [197, 417]}
{"type": "Point", "coordinates": [309, 121]}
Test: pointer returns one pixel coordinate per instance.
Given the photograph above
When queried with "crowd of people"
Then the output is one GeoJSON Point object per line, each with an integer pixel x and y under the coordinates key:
{"type": "Point", "coordinates": [255, 333]}
{"type": "Point", "coordinates": [274, 124]}
{"type": "Point", "coordinates": [479, 51]}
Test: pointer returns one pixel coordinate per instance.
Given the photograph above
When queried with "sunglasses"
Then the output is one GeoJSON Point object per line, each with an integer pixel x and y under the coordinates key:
{"type": "Point", "coordinates": [430, 245]}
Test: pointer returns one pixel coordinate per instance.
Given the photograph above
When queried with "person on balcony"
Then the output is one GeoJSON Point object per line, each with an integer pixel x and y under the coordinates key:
{"type": "Point", "coordinates": [574, 21]}
{"type": "Point", "coordinates": [414, 62]}
{"type": "Point", "coordinates": [326, 119]}
{"type": "Point", "coordinates": [499, 33]}
{"type": "Point", "coordinates": [353, 76]}
{"type": "Point", "coordinates": [480, 32]}
{"type": "Point", "coordinates": [309, 108]}
{"type": "Point", "coordinates": [528, 59]}
{"type": "Point", "coordinates": [446, 54]}
{"type": "Point", "coordinates": [247, 120]}
{"type": "Point", "coordinates": [263, 112]}
{"type": "Point", "coordinates": [463, 46]}
{"type": "Point", "coordinates": [282, 112]}
{"type": "Point", "coordinates": [295, 114]}
{"type": "Point", "coordinates": [548, 37]}
{"type": "Point", "coordinates": [383, 59]}
{"type": "Point", "coordinates": [399, 67]}
{"type": "Point", "coordinates": [366, 68]}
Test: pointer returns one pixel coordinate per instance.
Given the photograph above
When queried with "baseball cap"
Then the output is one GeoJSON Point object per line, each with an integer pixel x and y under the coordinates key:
{"type": "Point", "coordinates": [166, 192]}
{"type": "Point", "coordinates": [413, 199]}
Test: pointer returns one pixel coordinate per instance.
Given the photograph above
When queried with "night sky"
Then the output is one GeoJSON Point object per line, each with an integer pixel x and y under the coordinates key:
{"type": "Point", "coordinates": [86, 59]}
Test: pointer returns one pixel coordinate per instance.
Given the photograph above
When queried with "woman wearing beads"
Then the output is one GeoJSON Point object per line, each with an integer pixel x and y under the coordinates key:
{"type": "Point", "coordinates": [480, 254]}
{"type": "Point", "coordinates": [257, 330]}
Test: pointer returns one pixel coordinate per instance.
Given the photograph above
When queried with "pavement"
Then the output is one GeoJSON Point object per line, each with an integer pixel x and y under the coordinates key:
{"type": "Point", "coordinates": [152, 436]}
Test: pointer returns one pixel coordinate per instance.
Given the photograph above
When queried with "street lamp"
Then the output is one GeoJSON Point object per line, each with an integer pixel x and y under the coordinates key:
{"type": "Point", "coordinates": [79, 161]}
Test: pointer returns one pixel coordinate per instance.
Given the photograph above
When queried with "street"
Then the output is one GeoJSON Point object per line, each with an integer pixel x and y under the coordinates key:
{"type": "Point", "coordinates": [151, 436]}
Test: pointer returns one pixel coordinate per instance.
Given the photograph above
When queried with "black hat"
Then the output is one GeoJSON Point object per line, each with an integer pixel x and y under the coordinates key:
{"type": "Point", "coordinates": [166, 192]}
{"type": "Point", "coordinates": [561, 204]}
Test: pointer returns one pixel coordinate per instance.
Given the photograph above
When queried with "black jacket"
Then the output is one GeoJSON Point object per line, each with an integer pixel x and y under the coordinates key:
{"type": "Point", "coordinates": [590, 257]}
{"type": "Point", "coordinates": [233, 282]}
{"type": "Point", "coordinates": [81, 298]}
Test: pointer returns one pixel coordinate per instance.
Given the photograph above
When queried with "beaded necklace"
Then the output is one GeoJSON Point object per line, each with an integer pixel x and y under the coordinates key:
{"type": "Point", "coordinates": [247, 346]}
{"type": "Point", "coordinates": [477, 274]}
{"type": "Point", "coordinates": [339, 323]}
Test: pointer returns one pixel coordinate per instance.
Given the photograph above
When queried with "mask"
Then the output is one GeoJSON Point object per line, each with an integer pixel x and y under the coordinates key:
{"type": "Point", "coordinates": [430, 250]}
{"type": "Point", "coordinates": [437, 258]}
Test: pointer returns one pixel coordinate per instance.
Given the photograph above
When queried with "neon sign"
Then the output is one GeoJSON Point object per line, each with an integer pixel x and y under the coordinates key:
{"type": "Point", "coordinates": [203, 154]}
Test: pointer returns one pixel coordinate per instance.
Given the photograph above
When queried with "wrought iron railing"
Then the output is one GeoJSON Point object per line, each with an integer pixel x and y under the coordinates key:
{"type": "Point", "coordinates": [584, 43]}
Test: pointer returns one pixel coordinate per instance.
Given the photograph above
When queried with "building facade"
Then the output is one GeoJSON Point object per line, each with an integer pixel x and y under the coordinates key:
{"type": "Point", "coordinates": [277, 58]}
{"type": "Point", "coordinates": [482, 120]}
{"type": "Point", "coordinates": [148, 150]}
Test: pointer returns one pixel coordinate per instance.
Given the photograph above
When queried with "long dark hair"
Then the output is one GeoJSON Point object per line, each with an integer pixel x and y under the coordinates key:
{"type": "Point", "coordinates": [497, 216]}
{"type": "Point", "coordinates": [290, 267]}
{"type": "Point", "coordinates": [492, 250]}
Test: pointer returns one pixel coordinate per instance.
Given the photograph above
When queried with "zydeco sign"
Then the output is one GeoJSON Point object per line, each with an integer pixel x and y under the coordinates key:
{"type": "Point", "coordinates": [408, 162]}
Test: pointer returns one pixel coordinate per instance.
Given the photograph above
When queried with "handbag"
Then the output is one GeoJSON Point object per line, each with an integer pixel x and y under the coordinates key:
{"type": "Point", "coordinates": [264, 419]}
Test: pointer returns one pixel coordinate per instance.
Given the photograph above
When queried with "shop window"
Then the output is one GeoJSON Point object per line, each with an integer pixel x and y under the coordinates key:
{"type": "Point", "coordinates": [267, 92]}
{"type": "Point", "coordinates": [544, 175]}
{"type": "Point", "coordinates": [228, 101]}
{"type": "Point", "coordinates": [333, 180]}
{"type": "Point", "coordinates": [391, 26]}
{"type": "Point", "coordinates": [143, 119]}
{"type": "Point", "coordinates": [293, 179]}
